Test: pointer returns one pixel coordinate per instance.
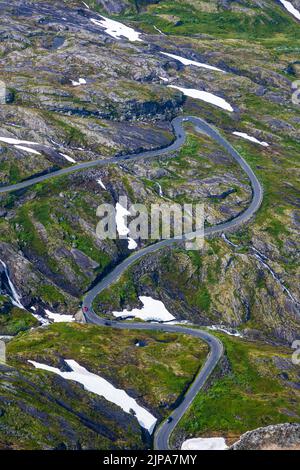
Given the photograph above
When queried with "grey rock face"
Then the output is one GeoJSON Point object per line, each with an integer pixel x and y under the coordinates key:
{"type": "Point", "coordinates": [279, 437]}
{"type": "Point", "coordinates": [113, 6]}
{"type": "Point", "coordinates": [119, 6]}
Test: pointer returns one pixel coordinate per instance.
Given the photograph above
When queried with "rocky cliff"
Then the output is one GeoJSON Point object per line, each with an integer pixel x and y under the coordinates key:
{"type": "Point", "coordinates": [280, 437]}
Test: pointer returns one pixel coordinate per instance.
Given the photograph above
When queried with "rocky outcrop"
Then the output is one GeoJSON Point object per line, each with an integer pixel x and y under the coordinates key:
{"type": "Point", "coordinates": [119, 6]}
{"type": "Point", "coordinates": [113, 6]}
{"type": "Point", "coordinates": [59, 414]}
{"type": "Point", "coordinates": [279, 437]}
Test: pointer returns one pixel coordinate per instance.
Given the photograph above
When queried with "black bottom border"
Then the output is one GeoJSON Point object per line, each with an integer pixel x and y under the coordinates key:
{"type": "Point", "coordinates": [151, 459]}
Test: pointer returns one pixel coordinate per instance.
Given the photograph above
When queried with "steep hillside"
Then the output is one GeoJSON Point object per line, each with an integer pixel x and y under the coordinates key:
{"type": "Point", "coordinates": [101, 79]}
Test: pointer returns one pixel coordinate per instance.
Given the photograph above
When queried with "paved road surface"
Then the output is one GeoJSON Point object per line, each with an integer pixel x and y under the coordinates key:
{"type": "Point", "coordinates": [162, 434]}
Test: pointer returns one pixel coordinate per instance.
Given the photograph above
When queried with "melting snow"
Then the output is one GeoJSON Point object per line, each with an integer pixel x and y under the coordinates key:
{"type": "Point", "coordinates": [225, 330]}
{"type": "Point", "coordinates": [152, 310]}
{"type": "Point", "coordinates": [121, 213]}
{"type": "Point", "coordinates": [117, 30]}
{"type": "Point", "coordinates": [58, 318]}
{"type": "Point", "coordinates": [212, 443]}
{"type": "Point", "coordinates": [185, 61]}
{"type": "Point", "coordinates": [228, 241]}
{"type": "Point", "coordinates": [96, 384]}
{"type": "Point", "coordinates": [204, 96]}
{"type": "Point", "coordinates": [252, 139]}
{"type": "Point", "coordinates": [81, 81]}
{"type": "Point", "coordinates": [41, 319]}
{"type": "Point", "coordinates": [160, 32]}
{"type": "Point", "coordinates": [291, 9]}
{"type": "Point", "coordinates": [10, 140]}
{"type": "Point", "coordinates": [70, 159]}
{"type": "Point", "coordinates": [27, 149]}
{"type": "Point", "coordinates": [164, 79]}
{"type": "Point", "coordinates": [123, 230]}
{"type": "Point", "coordinates": [99, 181]}
{"type": "Point", "coordinates": [132, 244]}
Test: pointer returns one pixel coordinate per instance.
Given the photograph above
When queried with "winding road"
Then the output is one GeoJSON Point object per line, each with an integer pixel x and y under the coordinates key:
{"type": "Point", "coordinates": [163, 432]}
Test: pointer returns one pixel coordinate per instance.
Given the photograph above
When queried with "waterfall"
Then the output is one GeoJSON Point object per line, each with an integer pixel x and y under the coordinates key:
{"type": "Point", "coordinates": [15, 297]}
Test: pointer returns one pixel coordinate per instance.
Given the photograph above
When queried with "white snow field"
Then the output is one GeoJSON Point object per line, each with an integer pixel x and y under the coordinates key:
{"type": "Point", "coordinates": [211, 443]}
{"type": "Point", "coordinates": [152, 310]}
{"type": "Point", "coordinates": [96, 384]}
{"type": "Point", "coordinates": [185, 61]}
{"type": "Point", "coordinates": [204, 96]}
{"type": "Point", "coordinates": [252, 139]}
{"type": "Point", "coordinates": [123, 230]}
{"type": "Point", "coordinates": [117, 30]}
{"type": "Point", "coordinates": [291, 9]}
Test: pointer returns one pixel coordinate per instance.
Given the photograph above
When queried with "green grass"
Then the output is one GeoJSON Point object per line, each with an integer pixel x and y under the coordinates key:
{"type": "Point", "coordinates": [27, 233]}
{"type": "Point", "coordinates": [50, 294]}
{"type": "Point", "coordinates": [119, 294]}
{"type": "Point", "coordinates": [192, 21]}
{"type": "Point", "coordinates": [203, 299]}
{"type": "Point", "coordinates": [158, 371]}
{"type": "Point", "coordinates": [15, 321]}
{"type": "Point", "coordinates": [250, 396]}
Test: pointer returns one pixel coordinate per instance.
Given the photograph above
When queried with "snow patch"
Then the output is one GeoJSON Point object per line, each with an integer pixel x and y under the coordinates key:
{"type": "Point", "coordinates": [99, 181]}
{"type": "Point", "coordinates": [121, 213]}
{"type": "Point", "coordinates": [204, 96]}
{"type": "Point", "coordinates": [157, 29]}
{"type": "Point", "coordinates": [59, 318]}
{"type": "Point", "coordinates": [252, 139]}
{"type": "Point", "coordinates": [11, 140]}
{"type": "Point", "coordinates": [42, 320]}
{"type": "Point", "coordinates": [27, 149]}
{"type": "Point", "coordinates": [228, 241]}
{"type": "Point", "coordinates": [223, 329]}
{"type": "Point", "coordinates": [81, 81]}
{"type": "Point", "coordinates": [185, 61]}
{"type": "Point", "coordinates": [96, 384]}
{"type": "Point", "coordinates": [152, 310]}
{"type": "Point", "coordinates": [201, 443]}
{"type": "Point", "coordinates": [70, 159]}
{"type": "Point", "coordinates": [117, 30]}
{"type": "Point", "coordinates": [291, 9]}
{"type": "Point", "coordinates": [123, 230]}
{"type": "Point", "coordinates": [132, 244]}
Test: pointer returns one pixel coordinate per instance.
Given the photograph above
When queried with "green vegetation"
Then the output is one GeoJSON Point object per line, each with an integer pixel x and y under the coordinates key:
{"type": "Point", "coordinates": [114, 298]}
{"type": "Point", "coordinates": [28, 234]}
{"type": "Point", "coordinates": [42, 225]}
{"type": "Point", "coordinates": [159, 370]}
{"type": "Point", "coordinates": [16, 320]}
{"type": "Point", "coordinates": [191, 18]}
{"type": "Point", "coordinates": [203, 299]}
{"type": "Point", "coordinates": [50, 294]}
{"type": "Point", "coordinates": [253, 393]}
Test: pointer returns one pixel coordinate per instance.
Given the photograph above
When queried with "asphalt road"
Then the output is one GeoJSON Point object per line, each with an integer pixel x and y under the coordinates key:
{"type": "Point", "coordinates": [163, 432]}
